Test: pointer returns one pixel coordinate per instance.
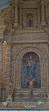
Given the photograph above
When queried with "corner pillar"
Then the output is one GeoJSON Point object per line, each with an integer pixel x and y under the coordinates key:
{"type": "Point", "coordinates": [1, 48]}
{"type": "Point", "coordinates": [18, 73]}
{"type": "Point", "coordinates": [45, 73]}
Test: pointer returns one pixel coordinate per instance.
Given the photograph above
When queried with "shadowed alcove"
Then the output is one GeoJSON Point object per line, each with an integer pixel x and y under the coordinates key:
{"type": "Point", "coordinates": [30, 69]}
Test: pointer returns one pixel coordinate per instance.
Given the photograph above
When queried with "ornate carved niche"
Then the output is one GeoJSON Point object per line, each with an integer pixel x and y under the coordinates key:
{"type": "Point", "coordinates": [29, 18]}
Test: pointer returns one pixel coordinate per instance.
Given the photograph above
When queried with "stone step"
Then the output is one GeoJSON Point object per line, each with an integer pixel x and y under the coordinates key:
{"type": "Point", "coordinates": [23, 94]}
{"type": "Point", "coordinates": [30, 99]}
{"type": "Point", "coordinates": [26, 99]}
{"type": "Point", "coordinates": [27, 90]}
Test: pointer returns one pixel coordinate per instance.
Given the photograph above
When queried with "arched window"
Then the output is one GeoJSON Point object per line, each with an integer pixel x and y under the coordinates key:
{"type": "Point", "coordinates": [29, 20]}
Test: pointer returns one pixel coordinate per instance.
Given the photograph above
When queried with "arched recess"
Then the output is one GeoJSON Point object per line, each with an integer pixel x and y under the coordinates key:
{"type": "Point", "coordinates": [29, 20]}
{"type": "Point", "coordinates": [42, 54]}
{"type": "Point", "coordinates": [30, 69]}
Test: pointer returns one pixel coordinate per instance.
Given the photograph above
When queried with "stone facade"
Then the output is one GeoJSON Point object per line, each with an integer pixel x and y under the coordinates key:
{"type": "Point", "coordinates": [22, 37]}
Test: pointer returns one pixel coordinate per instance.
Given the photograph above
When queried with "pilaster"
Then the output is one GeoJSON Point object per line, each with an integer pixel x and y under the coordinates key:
{"type": "Point", "coordinates": [38, 15]}
{"type": "Point", "coordinates": [21, 14]}
{"type": "Point", "coordinates": [4, 62]}
{"type": "Point", "coordinates": [8, 65]}
{"type": "Point", "coordinates": [0, 68]}
{"type": "Point", "coordinates": [16, 13]}
{"type": "Point", "coordinates": [42, 13]}
{"type": "Point", "coordinates": [1, 55]}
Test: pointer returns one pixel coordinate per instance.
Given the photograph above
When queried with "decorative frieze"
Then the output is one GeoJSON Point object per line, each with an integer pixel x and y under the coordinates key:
{"type": "Point", "coordinates": [27, 36]}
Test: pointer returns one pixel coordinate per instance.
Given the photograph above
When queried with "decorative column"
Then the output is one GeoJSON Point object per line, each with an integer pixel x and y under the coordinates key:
{"type": "Point", "coordinates": [47, 103]}
{"type": "Point", "coordinates": [8, 65]}
{"type": "Point", "coordinates": [18, 73]}
{"type": "Point", "coordinates": [4, 68]}
{"type": "Point", "coordinates": [42, 14]}
{"type": "Point", "coordinates": [48, 71]}
{"type": "Point", "coordinates": [21, 4]}
{"type": "Point", "coordinates": [46, 5]}
{"type": "Point", "coordinates": [45, 73]}
{"type": "Point", "coordinates": [38, 15]}
{"type": "Point", "coordinates": [4, 62]}
{"type": "Point", "coordinates": [16, 13]}
{"type": "Point", "coordinates": [8, 75]}
{"type": "Point", "coordinates": [1, 48]}
{"type": "Point", "coordinates": [13, 71]}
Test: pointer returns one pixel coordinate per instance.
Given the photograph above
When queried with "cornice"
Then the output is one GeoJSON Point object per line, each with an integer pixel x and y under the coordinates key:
{"type": "Point", "coordinates": [30, 31]}
{"type": "Point", "coordinates": [31, 42]}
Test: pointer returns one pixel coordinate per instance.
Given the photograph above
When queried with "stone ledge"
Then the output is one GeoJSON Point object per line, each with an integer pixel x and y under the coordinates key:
{"type": "Point", "coordinates": [21, 105]}
{"type": "Point", "coordinates": [30, 31]}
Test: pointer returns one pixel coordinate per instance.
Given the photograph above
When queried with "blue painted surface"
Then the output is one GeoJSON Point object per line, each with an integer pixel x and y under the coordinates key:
{"type": "Point", "coordinates": [30, 71]}
{"type": "Point", "coordinates": [4, 4]}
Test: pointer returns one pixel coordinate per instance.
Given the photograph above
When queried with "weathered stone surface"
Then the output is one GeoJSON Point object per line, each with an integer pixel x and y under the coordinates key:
{"type": "Point", "coordinates": [21, 38]}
